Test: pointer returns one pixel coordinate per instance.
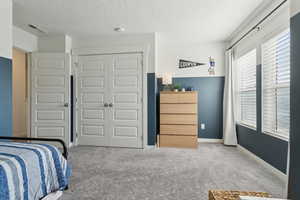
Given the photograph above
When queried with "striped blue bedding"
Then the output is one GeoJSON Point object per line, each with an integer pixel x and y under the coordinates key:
{"type": "Point", "coordinates": [31, 171]}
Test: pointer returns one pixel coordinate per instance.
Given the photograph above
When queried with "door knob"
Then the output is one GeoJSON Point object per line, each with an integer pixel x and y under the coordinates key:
{"type": "Point", "coordinates": [110, 105]}
{"type": "Point", "coordinates": [105, 104]}
{"type": "Point", "coordinates": [66, 105]}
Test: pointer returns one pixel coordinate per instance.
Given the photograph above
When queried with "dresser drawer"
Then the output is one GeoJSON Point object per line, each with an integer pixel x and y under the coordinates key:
{"type": "Point", "coordinates": [178, 141]}
{"type": "Point", "coordinates": [178, 119]}
{"type": "Point", "coordinates": [178, 108]}
{"type": "Point", "coordinates": [191, 130]}
{"type": "Point", "coordinates": [178, 97]}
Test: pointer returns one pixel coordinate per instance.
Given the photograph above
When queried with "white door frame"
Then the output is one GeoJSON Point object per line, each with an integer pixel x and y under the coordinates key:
{"type": "Point", "coordinates": [28, 51]}
{"type": "Point", "coordinates": [29, 59]}
{"type": "Point", "coordinates": [28, 89]}
{"type": "Point", "coordinates": [28, 54]}
{"type": "Point", "coordinates": [144, 50]}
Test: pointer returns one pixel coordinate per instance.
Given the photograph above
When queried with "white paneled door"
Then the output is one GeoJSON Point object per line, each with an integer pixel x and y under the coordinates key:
{"type": "Point", "coordinates": [125, 99]}
{"type": "Point", "coordinates": [50, 95]}
{"type": "Point", "coordinates": [92, 94]}
{"type": "Point", "coordinates": [110, 100]}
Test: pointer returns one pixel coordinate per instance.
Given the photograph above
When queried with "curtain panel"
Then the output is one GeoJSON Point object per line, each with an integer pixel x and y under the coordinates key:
{"type": "Point", "coordinates": [229, 113]}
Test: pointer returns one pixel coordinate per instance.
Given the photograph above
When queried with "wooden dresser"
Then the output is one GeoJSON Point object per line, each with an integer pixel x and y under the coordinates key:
{"type": "Point", "coordinates": [178, 119]}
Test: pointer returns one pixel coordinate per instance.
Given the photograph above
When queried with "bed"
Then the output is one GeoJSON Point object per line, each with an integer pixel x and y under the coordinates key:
{"type": "Point", "coordinates": [32, 171]}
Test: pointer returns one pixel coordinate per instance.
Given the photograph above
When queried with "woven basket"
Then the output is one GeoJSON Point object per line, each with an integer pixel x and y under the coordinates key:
{"type": "Point", "coordinates": [233, 195]}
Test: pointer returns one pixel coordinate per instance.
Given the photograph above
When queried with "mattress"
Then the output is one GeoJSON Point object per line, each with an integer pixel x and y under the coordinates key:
{"type": "Point", "coordinates": [31, 171]}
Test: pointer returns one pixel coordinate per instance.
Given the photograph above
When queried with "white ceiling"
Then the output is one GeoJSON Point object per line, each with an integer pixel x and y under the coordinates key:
{"type": "Point", "coordinates": [197, 20]}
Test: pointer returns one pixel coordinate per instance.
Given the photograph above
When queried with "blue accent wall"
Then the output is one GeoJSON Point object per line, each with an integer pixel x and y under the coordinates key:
{"type": "Point", "coordinates": [210, 103]}
{"type": "Point", "coordinates": [151, 82]}
{"type": "Point", "coordinates": [5, 97]}
{"type": "Point", "coordinates": [294, 175]}
{"type": "Point", "coordinates": [271, 149]}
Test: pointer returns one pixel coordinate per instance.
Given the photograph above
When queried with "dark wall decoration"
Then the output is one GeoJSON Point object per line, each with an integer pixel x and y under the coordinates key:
{"type": "Point", "coordinates": [188, 64]}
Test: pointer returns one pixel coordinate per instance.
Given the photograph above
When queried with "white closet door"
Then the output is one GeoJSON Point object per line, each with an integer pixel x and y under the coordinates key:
{"type": "Point", "coordinates": [92, 94]}
{"type": "Point", "coordinates": [125, 96]}
{"type": "Point", "coordinates": [50, 95]}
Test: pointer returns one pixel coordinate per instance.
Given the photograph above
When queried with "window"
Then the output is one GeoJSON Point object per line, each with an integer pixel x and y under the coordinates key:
{"type": "Point", "coordinates": [276, 85]}
{"type": "Point", "coordinates": [246, 67]}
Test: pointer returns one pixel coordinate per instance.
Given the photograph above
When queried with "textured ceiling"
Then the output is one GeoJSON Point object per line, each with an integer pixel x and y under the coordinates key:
{"type": "Point", "coordinates": [197, 20]}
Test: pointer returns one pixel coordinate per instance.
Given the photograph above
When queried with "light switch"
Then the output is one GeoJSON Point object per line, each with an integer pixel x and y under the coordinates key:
{"type": "Point", "coordinates": [203, 126]}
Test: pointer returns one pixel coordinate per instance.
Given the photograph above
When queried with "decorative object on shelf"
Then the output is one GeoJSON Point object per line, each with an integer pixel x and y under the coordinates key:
{"type": "Point", "coordinates": [189, 89]}
{"type": "Point", "coordinates": [167, 81]}
{"type": "Point", "coordinates": [176, 88]}
{"type": "Point", "coordinates": [188, 64]}
{"type": "Point", "coordinates": [212, 64]}
{"type": "Point", "coordinates": [182, 89]}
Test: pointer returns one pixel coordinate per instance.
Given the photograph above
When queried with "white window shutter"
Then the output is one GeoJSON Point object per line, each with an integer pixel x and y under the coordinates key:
{"type": "Point", "coordinates": [276, 85]}
{"type": "Point", "coordinates": [246, 66]}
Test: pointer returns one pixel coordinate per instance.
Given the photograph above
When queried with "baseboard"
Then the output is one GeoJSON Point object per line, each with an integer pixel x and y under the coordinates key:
{"type": "Point", "coordinates": [208, 140]}
{"type": "Point", "coordinates": [149, 147]}
{"type": "Point", "coordinates": [269, 167]}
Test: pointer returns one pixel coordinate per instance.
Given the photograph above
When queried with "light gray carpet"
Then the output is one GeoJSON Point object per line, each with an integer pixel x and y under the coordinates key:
{"type": "Point", "coordinates": [165, 173]}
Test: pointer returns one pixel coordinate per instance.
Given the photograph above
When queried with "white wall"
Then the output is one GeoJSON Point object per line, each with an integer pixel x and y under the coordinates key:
{"type": "Point", "coordinates": [55, 43]}
{"type": "Point", "coordinates": [275, 24]}
{"type": "Point", "coordinates": [164, 53]}
{"type": "Point", "coordinates": [295, 7]}
{"type": "Point", "coordinates": [24, 40]}
{"type": "Point", "coordinates": [6, 28]}
{"type": "Point", "coordinates": [169, 51]}
{"type": "Point", "coordinates": [68, 44]}
{"type": "Point", "coordinates": [51, 43]}
{"type": "Point", "coordinates": [120, 40]}
{"type": "Point", "coordinates": [265, 8]}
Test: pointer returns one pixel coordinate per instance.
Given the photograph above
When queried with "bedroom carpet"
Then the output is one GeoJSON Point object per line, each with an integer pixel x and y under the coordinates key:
{"type": "Point", "coordinates": [157, 174]}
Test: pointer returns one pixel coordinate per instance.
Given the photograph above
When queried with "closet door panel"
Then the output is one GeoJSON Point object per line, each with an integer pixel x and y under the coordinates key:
{"type": "Point", "coordinates": [92, 94]}
{"type": "Point", "coordinates": [126, 98]}
{"type": "Point", "coordinates": [114, 80]}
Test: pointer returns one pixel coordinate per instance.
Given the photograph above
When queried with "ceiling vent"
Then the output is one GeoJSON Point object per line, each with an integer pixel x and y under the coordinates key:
{"type": "Point", "coordinates": [119, 29]}
{"type": "Point", "coordinates": [36, 28]}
